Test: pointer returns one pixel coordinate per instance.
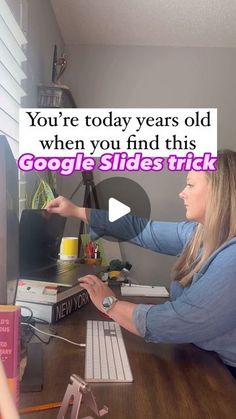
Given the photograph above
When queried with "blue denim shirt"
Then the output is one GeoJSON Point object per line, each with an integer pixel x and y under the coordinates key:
{"type": "Point", "coordinates": [203, 313]}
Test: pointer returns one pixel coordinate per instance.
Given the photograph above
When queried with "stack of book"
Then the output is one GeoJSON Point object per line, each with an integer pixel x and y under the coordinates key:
{"type": "Point", "coordinates": [10, 346]}
{"type": "Point", "coordinates": [50, 303]}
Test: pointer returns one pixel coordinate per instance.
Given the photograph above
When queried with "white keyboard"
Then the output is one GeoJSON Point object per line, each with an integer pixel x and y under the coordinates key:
{"type": "Point", "coordinates": [105, 357]}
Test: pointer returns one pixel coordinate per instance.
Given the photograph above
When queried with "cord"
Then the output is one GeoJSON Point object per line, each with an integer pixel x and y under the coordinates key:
{"type": "Point", "coordinates": [82, 345]}
{"type": "Point", "coordinates": [46, 342]}
{"type": "Point", "coordinates": [30, 320]}
{"type": "Point", "coordinates": [30, 316]}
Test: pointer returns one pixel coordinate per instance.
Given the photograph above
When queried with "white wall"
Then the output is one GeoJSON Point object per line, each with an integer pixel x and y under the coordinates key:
{"type": "Point", "coordinates": [156, 77]}
{"type": "Point", "coordinates": [153, 77]}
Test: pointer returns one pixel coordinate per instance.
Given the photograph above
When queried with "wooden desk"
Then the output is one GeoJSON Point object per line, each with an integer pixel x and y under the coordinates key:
{"type": "Point", "coordinates": [170, 381]}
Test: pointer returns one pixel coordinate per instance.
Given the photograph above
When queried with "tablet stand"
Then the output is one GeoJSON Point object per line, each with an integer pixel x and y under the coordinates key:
{"type": "Point", "coordinates": [78, 390]}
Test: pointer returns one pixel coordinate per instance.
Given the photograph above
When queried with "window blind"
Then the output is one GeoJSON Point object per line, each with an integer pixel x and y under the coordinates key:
{"type": "Point", "coordinates": [12, 57]}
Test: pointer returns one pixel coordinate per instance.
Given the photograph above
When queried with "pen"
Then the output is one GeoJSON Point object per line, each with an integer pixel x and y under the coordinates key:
{"type": "Point", "coordinates": [41, 407]}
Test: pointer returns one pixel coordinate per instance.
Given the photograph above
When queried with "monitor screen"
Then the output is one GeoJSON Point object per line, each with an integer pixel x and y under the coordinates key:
{"type": "Point", "coordinates": [9, 224]}
{"type": "Point", "coordinates": [40, 238]}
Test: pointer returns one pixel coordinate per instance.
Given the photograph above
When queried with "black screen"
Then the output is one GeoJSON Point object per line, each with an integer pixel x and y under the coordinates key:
{"type": "Point", "coordinates": [9, 224]}
{"type": "Point", "coordinates": [40, 237]}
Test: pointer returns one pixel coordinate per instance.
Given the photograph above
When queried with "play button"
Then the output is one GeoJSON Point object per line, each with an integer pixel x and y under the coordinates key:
{"type": "Point", "coordinates": [127, 205]}
{"type": "Point", "coordinates": [116, 209]}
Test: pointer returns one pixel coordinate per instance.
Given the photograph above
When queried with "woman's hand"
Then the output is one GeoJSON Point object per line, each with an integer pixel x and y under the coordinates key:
{"type": "Point", "coordinates": [96, 288]}
{"type": "Point", "coordinates": [63, 206]}
{"type": "Point", "coordinates": [121, 312]}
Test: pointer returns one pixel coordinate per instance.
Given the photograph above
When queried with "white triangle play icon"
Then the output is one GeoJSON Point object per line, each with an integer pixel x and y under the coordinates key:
{"type": "Point", "coordinates": [116, 209]}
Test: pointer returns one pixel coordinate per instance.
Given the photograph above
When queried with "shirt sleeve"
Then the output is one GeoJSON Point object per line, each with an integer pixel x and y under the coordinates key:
{"type": "Point", "coordinates": [204, 311]}
{"type": "Point", "coordinates": [163, 237]}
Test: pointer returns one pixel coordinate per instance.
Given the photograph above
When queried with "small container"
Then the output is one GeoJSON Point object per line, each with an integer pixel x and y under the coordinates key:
{"type": "Point", "coordinates": [114, 274]}
{"type": "Point", "coordinates": [69, 248]}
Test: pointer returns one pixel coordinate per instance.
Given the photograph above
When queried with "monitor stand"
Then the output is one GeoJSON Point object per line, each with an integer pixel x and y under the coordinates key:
{"type": "Point", "coordinates": [33, 375]}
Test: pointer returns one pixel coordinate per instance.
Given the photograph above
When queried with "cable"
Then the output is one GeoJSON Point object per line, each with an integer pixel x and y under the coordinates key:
{"type": "Point", "coordinates": [82, 345]}
{"type": "Point", "coordinates": [46, 342]}
{"type": "Point", "coordinates": [26, 336]}
{"type": "Point", "coordinates": [42, 321]}
{"type": "Point", "coordinates": [30, 316]}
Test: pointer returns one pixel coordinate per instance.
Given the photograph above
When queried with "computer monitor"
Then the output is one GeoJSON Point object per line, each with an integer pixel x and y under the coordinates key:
{"type": "Point", "coordinates": [9, 224]}
{"type": "Point", "coordinates": [9, 254]}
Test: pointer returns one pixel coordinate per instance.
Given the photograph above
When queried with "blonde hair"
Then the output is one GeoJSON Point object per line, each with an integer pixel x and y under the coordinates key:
{"type": "Point", "coordinates": [219, 223]}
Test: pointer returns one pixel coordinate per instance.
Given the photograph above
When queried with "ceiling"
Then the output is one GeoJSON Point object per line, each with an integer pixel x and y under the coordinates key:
{"type": "Point", "coordinates": [198, 23]}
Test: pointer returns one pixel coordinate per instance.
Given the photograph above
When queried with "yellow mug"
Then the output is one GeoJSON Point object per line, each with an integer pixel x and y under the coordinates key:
{"type": "Point", "coordinates": [69, 248]}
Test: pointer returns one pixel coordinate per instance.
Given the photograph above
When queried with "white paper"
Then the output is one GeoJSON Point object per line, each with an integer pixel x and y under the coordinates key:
{"type": "Point", "coordinates": [144, 290]}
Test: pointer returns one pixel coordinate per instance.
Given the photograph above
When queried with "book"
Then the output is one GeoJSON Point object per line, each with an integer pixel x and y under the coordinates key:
{"type": "Point", "coordinates": [143, 290]}
{"type": "Point", "coordinates": [10, 318]}
{"type": "Point", "coordinates": [36, 292]}
{"type": "Point", "coordinates": [52, 313]}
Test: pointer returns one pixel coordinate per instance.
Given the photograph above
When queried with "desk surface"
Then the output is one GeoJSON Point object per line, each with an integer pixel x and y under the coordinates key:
{"type": "Point", "coordinates": [170, 381]}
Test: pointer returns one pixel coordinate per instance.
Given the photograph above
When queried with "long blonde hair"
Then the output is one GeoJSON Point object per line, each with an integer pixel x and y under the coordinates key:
{"type": "Point", "coordinates": [219, 223]}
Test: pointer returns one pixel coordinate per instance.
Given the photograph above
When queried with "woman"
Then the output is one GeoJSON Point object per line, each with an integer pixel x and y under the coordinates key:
{"type": "Point", "coordinates": [202, 309]}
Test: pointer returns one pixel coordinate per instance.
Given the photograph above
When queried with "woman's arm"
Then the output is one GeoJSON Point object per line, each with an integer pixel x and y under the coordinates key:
{"type": "Point", "coordinates": [205, 310]}
{"type": "Point", "coordinates": [121, 311]}
{"type": "Point", "coordinates": [66, 208]}
{"type": "Point", "coordinates": [159, 236]}
{"type": "Point", "coordinates": [163, 237]}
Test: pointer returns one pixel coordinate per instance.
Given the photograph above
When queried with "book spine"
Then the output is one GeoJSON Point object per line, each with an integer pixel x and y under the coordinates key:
{"type": "Point", "coordinates": [69, 305]}
{"type": "Point", "coordinates": [10, 347]}
{"type": "Point", "coordinates": [45, 298]}
{"type": "Point", "coordinates": [68, 293]}
{"type": "Point", "coordinates": [32, 298]}
{"type": "Point", "coordinates": [37, 293]}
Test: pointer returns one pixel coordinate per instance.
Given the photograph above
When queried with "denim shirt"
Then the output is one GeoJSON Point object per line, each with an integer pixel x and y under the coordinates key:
{"type": "Point", "coordinates": [204, 312]}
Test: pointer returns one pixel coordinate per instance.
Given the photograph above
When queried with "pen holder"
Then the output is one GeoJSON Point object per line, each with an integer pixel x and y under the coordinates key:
{"type": "Point", "coordinates": [93, 261]}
